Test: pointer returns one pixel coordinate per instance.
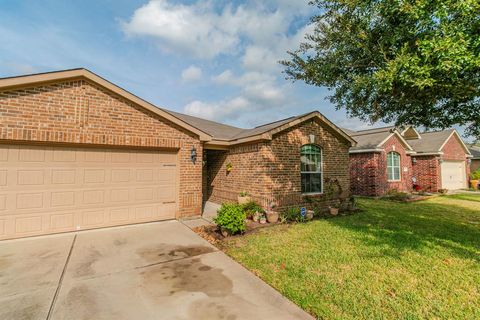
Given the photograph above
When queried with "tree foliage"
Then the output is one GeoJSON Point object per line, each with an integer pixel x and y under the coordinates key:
{"type": "Point", "coordinates": [405, 61]}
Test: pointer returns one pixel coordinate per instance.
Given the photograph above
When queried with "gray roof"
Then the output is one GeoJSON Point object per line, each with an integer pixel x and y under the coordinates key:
{"type": "Point", "coordinates": [217, 130]}
{"type": "Point", "coordinates": [221, 131]}
{"type": "Point", "coordinates": [475, 151]}
{"type": "Point", "coordinates": [430, 141]}
{"type": "Point", "coordinates": [369, 139]}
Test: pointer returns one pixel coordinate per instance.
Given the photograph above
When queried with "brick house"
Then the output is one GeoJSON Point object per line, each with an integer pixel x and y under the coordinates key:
{"type": "Point", "coordinates": [390, 158]}
{"type": "Point", "coordinates": [475, 160]}
{"type": "Point", "coordinates": [78, 152]}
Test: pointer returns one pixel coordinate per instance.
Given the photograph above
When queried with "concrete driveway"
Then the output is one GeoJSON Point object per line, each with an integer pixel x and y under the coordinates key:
{"type": "Point", "coordinates": [151, 271]}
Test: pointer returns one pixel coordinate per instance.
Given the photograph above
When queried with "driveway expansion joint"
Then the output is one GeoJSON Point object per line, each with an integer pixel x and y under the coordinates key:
{"type": "Point", "coordinates": [55, 296]}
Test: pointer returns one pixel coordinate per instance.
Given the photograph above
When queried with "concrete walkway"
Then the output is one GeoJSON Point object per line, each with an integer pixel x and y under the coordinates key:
{"type": "Point", "coordinates": [150, 271]}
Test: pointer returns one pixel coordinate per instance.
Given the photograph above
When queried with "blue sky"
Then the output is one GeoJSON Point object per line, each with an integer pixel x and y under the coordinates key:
{"type": "Point", "coordinates": [213, 59]}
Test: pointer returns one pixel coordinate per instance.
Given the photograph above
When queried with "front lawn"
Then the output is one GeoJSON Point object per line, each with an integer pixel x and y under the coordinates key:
{"type": "Point", "coordinates": [418, 260]}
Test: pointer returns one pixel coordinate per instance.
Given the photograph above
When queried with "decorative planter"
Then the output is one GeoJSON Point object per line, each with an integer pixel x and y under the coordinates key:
{"type": "Point", "coordinates": [263, 220]}
{"type": "Point", "coordinates": [272, 216]}
{"type": "Point", "coordinates": [333, 211]}
{"type": "Point", "coordinates": [309, 215]}
{"type": "Point", "coordinates": [244, 200]}
{"type": "Point", "coordinates": [474, 184]}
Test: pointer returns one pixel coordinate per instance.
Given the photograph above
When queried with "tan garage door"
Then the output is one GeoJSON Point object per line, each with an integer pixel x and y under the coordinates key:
{"type": "Point", "coordinates": [47, 190]}
{"type": "Point", "coordinates": [453, 175]}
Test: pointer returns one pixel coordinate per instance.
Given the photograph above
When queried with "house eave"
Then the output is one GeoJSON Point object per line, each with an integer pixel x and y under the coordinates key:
{"type": "Point", "coordinates": [376, 150]}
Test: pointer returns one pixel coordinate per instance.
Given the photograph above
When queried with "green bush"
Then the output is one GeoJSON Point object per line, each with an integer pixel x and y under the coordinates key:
{"type": "Point", "coordinates": [292, 214]}
{"type": "Point", "coordinates": [251, 207]}
{"type": "Point", "coordinates": [475, 175]}
{"type": "Point", "coordinates": [396, 195]}
{"type": "Point", "coordinates": [231, 217]}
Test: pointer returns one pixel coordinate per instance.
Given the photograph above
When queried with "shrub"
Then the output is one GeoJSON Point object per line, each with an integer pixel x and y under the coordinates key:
{"type": "Point", "coordinates": [475, 175]}
{"type": "Point", "coordinates": [396, 195]}
{"type": "Point", "coordinates": [231, 217]}
{"type": "Point", "coordinates": [251, 207]}
{"type": "Point", "coordinates": [292, 214]}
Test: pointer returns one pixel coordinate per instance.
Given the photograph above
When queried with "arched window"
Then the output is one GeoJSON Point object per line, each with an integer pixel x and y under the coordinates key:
{"type": "Point", "coordinates": [311, 169]}
{"type": "Point", "coordinates": [393, 166]}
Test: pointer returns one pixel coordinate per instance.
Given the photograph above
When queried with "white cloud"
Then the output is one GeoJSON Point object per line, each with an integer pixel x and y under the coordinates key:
{"type": "Point", "coordinates": [257, 33]}
{"type": "Point", "coordinates": [192, 73]}
{"type": "Point", "coordinates": [191, 29]}
{"type": "Point", "coordinates": [222, 110]}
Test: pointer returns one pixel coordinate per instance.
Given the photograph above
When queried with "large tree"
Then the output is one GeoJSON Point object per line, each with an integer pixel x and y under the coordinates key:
{"type": "Point", "coordinates": [404, 61]}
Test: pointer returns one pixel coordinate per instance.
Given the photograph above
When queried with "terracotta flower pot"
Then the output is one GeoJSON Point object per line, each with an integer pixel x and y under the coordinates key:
{"type": "Point", "coordinates": [272, 216]}
{"type": "Point", "coordinates": [333, 211]}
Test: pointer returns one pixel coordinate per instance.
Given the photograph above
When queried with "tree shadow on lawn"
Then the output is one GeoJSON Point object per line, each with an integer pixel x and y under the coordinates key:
{"type": "Point", "coordinates": [395, 228]}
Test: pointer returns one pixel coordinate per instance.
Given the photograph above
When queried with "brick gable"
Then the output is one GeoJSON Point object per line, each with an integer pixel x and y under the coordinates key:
{"type": "Point", "coordinates": [80, 112]}
{"type": "Point", "coordinates": [270, 171]}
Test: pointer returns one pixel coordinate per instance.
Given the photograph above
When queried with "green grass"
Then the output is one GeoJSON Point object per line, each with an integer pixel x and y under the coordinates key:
{"type": "Point", "coordinates": [418, 260]}
{"type": "Point", "coordinates": [465, 196]}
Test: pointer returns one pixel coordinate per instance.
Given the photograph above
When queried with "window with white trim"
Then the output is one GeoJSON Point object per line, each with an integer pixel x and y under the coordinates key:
{"type": "Point", "coordinates": [393, 166]}
{"type": "Point", "coordinates": [311, 169]}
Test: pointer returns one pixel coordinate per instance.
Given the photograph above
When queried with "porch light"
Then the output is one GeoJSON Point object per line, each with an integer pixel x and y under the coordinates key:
{"type": "Point", "coordinates": [193, 155]}
{"type": "Point", "coordinates": [414, 160]}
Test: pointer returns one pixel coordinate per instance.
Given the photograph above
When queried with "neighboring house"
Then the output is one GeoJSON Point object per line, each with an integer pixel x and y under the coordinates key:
{"type": "Point", "coordinates": [390, 158]}
{"type": "Point", "coordinates": [475, 160]}
{"type": "Point", "coordinates": [78, 152]}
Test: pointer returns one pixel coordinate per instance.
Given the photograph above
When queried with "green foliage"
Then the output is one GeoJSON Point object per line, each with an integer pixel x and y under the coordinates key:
{"type": "Point", "coordinates": [409, 62]}
{"type": "Point", "coordinates": [395, 195]}
{"type": "Point", "coordinates": [251, 207]}
{"type": "Point", "coordinates": [231, 217]}
{"type": "Point", "coordinates": [475, 175]}
{"type": "Point", "coordinates": [243, 194]}
{"type": "Point", "coordinates": [291, 214]}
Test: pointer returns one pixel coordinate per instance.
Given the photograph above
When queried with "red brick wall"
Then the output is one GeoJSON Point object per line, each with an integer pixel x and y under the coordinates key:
{"type": "Point", "coordinates": [247, 174]}
{"type": "Point", "coordinates": [270, 171]}
{"type": "Point", "coordinates": [364, 173]}
{"type": "Point", "coordinates": [368, 171]}
{"type": "Point", "coordinates": [475, 165]}
{"type": "Point", "coordinates": [283, 160]}
{"type": "Point", "coordinates": [426, 170]}
{"type": "Point", "coordinates": [406, 171]}
{"type": "Point", "coordinates": [82, 113]}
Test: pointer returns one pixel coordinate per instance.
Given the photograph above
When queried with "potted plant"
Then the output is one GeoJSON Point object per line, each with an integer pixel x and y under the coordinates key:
{"type": "Point", "coordinates": [244, 198]}
{"type": "Point", "coordinates": [263, 219]}
{"type": "Point", "coordinates": [309, 215]}
{"type": "Point", "coordinates": [272, 216]}
{"type": "Point", "coordinates": [256, 216]}
{"type": "Point", "coordinates": [332, 193]}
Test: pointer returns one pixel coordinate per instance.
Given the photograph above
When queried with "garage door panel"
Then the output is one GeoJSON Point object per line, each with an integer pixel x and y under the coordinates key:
{"type": "Point", "coordinates": [3, 202]}
{"type": "Point", "coordinates": [48, 189]}
{"type": "Point", "coordinates": [3, 177]}
{"type": "Point", "coordinates": [4, 154]}
{"type": "Point", "coordinates": [62, 222]}
{"type": "Point", "coordinates": [453, 175]}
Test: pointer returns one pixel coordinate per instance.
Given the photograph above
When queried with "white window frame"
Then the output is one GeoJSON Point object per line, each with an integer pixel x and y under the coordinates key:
{"type": "Point", "coordinates": [312, 172]}
{"type": "Point", "coordinates": [392, 167]}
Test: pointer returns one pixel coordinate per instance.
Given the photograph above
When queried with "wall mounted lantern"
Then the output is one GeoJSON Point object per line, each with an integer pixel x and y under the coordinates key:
{"type": "Point", "coordinates": [193, 155]}
{"type": "Point", "coordinates": [414, 160]}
